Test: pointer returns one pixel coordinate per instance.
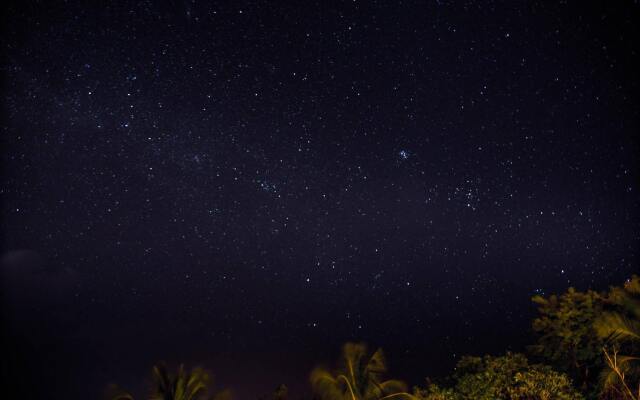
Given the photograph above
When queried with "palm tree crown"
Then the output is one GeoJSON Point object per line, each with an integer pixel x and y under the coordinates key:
{"type": "Point", "coordinates": [359, 377]}
{"type": "Point", "coordinates": [183, 385]}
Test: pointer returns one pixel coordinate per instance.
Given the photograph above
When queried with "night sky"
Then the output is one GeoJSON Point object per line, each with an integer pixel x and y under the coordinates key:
{"type": "Point", "coordinates": [247, 185]}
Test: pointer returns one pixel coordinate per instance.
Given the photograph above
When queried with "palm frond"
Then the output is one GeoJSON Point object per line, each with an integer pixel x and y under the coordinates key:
{"type": "Point", "coordinates": [113, 392]}
{"type": "Point", "coordinates": [608, 378]}
{"type": "Point", "coordinates": [325, 385]}
{"type": "Point", "coordinates": [615, 326]}
{"type": "Point", "coordinates": [393, 386]}
{"type": "Point", "coordinates": [359, 377]}
{"type": "Point", "coordinates": [376, 364]}
{"type": "Point", "coordinates": [400, 396]}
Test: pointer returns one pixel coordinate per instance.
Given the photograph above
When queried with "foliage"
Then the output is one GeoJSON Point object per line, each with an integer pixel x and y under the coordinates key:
{"type": "Point", "coordinates": [358, 377]}
{"type": "Point", "coordinates": [541, 382]}
{"type": "Point", "coordinates": [620, 327]}
{"type": "Point", "coordinates": [616, 378]}
{"type": "Point", "coordinates": [621, 320]}
{"type": "Point", "coordinates": [567, 338]}
{"type": "Point", "coordinates": [509, 377]}
{"type": "Point", "coordinates": [183, 385]}
{"type": "Point", "coordinates": [580, 334]}
{"type": "Point", "coordinates": [435, 392]}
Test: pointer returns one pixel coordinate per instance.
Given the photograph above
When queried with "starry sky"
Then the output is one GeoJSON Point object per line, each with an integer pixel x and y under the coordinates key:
{"type": "Point", "coordinates": [246, 185]}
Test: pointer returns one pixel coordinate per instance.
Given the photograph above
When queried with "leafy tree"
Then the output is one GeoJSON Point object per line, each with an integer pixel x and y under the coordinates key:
{"type": "Point", "coordinates": [183, 385]}
{"type": "Point", "coordinates": [509, 377]}
{"type": "Point", "coordinates": [567, 337]}
{"type": "Point", "coordinates": [487, 377]}
{"type": "Point", "coordinates": [542, 382]}
{"type": "Point", "coordinates": [358, 377]}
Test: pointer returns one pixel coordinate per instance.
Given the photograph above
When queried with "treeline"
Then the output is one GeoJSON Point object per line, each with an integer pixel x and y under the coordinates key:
{"type": "Point", "coordinates": [587, 348]}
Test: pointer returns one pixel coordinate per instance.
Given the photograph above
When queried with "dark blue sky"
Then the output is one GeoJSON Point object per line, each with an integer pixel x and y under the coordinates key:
{"type": "Point", "coordinates": [246, 185]}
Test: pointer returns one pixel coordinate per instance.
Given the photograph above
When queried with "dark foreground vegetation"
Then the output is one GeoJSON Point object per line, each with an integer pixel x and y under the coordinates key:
{"type": "Point", "coordinates": [587, 348]}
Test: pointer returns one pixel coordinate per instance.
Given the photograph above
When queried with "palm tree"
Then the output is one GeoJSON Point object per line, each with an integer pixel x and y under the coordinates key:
{"type": "Point", "coordinates": [622, 327]}
{"type": "Point", "coordinates": [359, 377]}
{"type": "Point", "coordinates": [184, 385]}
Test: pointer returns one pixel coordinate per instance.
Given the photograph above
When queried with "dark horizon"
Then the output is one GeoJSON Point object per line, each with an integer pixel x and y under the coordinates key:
{"type": "Point", "coordinates": [246, 186]}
